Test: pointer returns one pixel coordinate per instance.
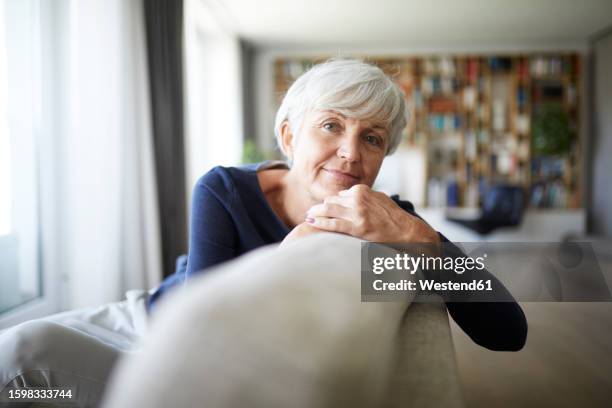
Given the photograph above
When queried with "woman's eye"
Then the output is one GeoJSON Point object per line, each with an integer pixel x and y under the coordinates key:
{"type": "Point", "coordinates": [373, 140]}
{"type": "Point", "coordinates": [330, 126]}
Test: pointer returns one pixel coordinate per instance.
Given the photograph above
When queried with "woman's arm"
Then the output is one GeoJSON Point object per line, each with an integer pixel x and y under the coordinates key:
{"type": "Point", "coordinates": [373, 216]}
{"type": "Point", "coordinates": [491, 319]}
{"type": "Point", "coordinates": [498, 326]}
{"type": "Point", "coordinates": [212, 234]}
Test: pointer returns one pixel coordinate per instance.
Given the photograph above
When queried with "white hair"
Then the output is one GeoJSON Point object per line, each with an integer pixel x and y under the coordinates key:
{"type": "Point", "coordinates": [350, 87]}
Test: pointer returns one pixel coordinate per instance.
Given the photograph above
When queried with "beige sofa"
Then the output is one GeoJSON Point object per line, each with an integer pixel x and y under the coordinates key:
{"type": "Point", "coordinates": [285, 327]}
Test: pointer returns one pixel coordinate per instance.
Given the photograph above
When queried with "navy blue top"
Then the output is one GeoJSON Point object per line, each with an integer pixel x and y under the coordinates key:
{"type": "Point", "coordinates": [231, 216]}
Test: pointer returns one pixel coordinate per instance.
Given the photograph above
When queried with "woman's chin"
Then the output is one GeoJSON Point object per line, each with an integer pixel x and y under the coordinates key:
{"type": "Point", "coordinates": [329, 189]}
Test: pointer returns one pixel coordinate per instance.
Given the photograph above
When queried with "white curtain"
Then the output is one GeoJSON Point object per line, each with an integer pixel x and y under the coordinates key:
{"type": "Point", "coordinates": [108, 226]}
{"type": "Point", "coordinates": [214, 132]}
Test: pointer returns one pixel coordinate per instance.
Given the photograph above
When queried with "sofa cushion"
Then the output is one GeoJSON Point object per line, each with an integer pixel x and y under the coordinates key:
{"type": "Point", "coordinates": [279, 327]}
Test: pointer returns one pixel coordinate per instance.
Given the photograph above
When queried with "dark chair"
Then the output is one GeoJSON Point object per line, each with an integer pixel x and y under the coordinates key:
{"type": "Point", "coordinates": [502, 206]}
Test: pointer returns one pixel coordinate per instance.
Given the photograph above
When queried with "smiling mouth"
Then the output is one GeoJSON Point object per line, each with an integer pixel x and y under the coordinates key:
{"type": "Point", "coordinates": [342, 177]}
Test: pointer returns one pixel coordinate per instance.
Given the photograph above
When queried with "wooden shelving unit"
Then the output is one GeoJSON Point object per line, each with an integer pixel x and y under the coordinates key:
{"type": "Point", "coordinates": [473, 116]}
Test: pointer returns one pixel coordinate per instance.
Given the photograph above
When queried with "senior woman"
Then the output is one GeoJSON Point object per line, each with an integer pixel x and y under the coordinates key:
{"type": "Point", "coordinates": [336, 124]}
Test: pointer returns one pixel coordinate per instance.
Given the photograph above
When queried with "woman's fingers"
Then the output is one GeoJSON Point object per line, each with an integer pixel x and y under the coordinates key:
{"type": "Point", "coordinates": [345, 201]}
{"type": "Point", "coordinates": [342, 213]}
{"type": "Point", "coordinates": [357, 189]}
{"type": "Point", "coordinates": [331, 224]}
{"type": "Point", "coordinates": [330, 210]}
{"type": "Point", "coordinates": [335, 214]}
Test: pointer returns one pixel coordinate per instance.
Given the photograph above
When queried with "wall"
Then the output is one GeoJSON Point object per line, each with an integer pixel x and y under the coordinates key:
{"type": "Point", "coordinates": [600, 222]}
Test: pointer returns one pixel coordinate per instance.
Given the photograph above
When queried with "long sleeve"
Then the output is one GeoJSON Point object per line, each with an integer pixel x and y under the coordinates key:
{"type": "Point", "coordinates": [496, 325]}
{"type": "Point", "coordinates": [212, 234]}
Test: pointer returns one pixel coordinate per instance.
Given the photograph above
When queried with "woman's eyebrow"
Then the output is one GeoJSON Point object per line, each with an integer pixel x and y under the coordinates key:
{"type": "Point", "coordinates": [377, 126]}
{"type": "Point", "coordinates": [383, 128]}
{"type": "Point", "coordinates": [333, 112]}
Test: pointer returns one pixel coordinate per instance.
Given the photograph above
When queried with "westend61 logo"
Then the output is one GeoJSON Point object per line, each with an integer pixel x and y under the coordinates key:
{"type": "Point", "coordinates": [482, 272]}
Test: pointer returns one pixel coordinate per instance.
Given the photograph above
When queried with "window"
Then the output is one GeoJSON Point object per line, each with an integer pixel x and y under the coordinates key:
{"type": "Point", "coordinates": [20, 124]}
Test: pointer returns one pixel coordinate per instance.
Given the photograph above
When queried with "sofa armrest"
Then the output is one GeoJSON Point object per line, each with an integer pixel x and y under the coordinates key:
{"type": "Point", "coordinates": [425, 373]}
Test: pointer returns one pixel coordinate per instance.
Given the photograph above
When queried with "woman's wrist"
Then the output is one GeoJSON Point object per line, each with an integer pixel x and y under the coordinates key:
{"type": "Point", "coordinates": [414, 230]}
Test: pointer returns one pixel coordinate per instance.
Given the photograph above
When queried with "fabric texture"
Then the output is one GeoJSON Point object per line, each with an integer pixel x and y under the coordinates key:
{"type": "Point", "coordinates": [98, 180]}
{"type": "Point", "coordinates": [297, 336]}
{"type": "Point", "coordinates": [78, 349]}
{"type": "Point", "coordinates": [425, 372]}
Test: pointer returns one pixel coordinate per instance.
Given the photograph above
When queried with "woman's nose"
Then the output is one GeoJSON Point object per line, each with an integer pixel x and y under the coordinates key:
{"type": "Point", "coordinates": [349, 149]}
{"type": "Point", "coordinates": [348, 152]}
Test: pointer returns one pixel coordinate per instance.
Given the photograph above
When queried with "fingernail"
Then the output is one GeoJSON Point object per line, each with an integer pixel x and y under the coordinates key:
{"type": "Point", "coordinates": [310, 220]}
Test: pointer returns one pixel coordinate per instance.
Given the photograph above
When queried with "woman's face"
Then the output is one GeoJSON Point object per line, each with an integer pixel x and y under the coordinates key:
{"type": "Point", "coordinates": [333, 152]}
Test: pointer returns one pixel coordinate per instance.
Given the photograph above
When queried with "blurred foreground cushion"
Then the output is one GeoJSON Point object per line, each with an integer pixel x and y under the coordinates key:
{"type": "Point", "coordinates": [286, 327]}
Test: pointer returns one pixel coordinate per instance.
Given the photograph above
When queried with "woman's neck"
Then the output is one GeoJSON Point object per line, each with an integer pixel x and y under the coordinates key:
{"type": "Point", "coordinates": [286, 197]}
{"type": "Point", "coordinates": [296, 200]}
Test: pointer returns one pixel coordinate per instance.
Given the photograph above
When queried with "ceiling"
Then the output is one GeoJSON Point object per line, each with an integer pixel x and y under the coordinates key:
{"type": "Point", "coordinates": [411, 22]}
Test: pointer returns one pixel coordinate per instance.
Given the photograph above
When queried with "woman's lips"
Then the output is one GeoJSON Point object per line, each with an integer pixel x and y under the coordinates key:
{"type": "Point", "coordinates": [343, 178]}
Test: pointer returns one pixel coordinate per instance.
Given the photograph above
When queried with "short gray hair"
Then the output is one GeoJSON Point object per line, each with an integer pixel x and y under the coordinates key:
{"type": "Point", "coordinates": [350, 87]}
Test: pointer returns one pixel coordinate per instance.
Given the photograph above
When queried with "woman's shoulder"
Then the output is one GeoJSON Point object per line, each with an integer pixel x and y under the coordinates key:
{"type": "Point", "coordinates": [228, 179]}
{"type": "Point", "coordinates": [218, 179]}
{"type": "Point", "coordinates": [220, 173]}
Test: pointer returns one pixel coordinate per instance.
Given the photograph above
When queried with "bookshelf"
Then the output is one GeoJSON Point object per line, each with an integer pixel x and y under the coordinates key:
{"type": "Point", "coordinates": [482, 120]}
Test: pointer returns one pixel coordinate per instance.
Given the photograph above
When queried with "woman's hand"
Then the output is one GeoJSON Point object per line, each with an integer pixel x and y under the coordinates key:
{"type": "Point", "coordinates": [369, 215]}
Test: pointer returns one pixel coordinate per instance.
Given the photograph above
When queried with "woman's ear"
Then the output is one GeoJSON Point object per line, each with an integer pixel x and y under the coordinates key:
{"type": "Point", "coordinates": [287, 139]}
